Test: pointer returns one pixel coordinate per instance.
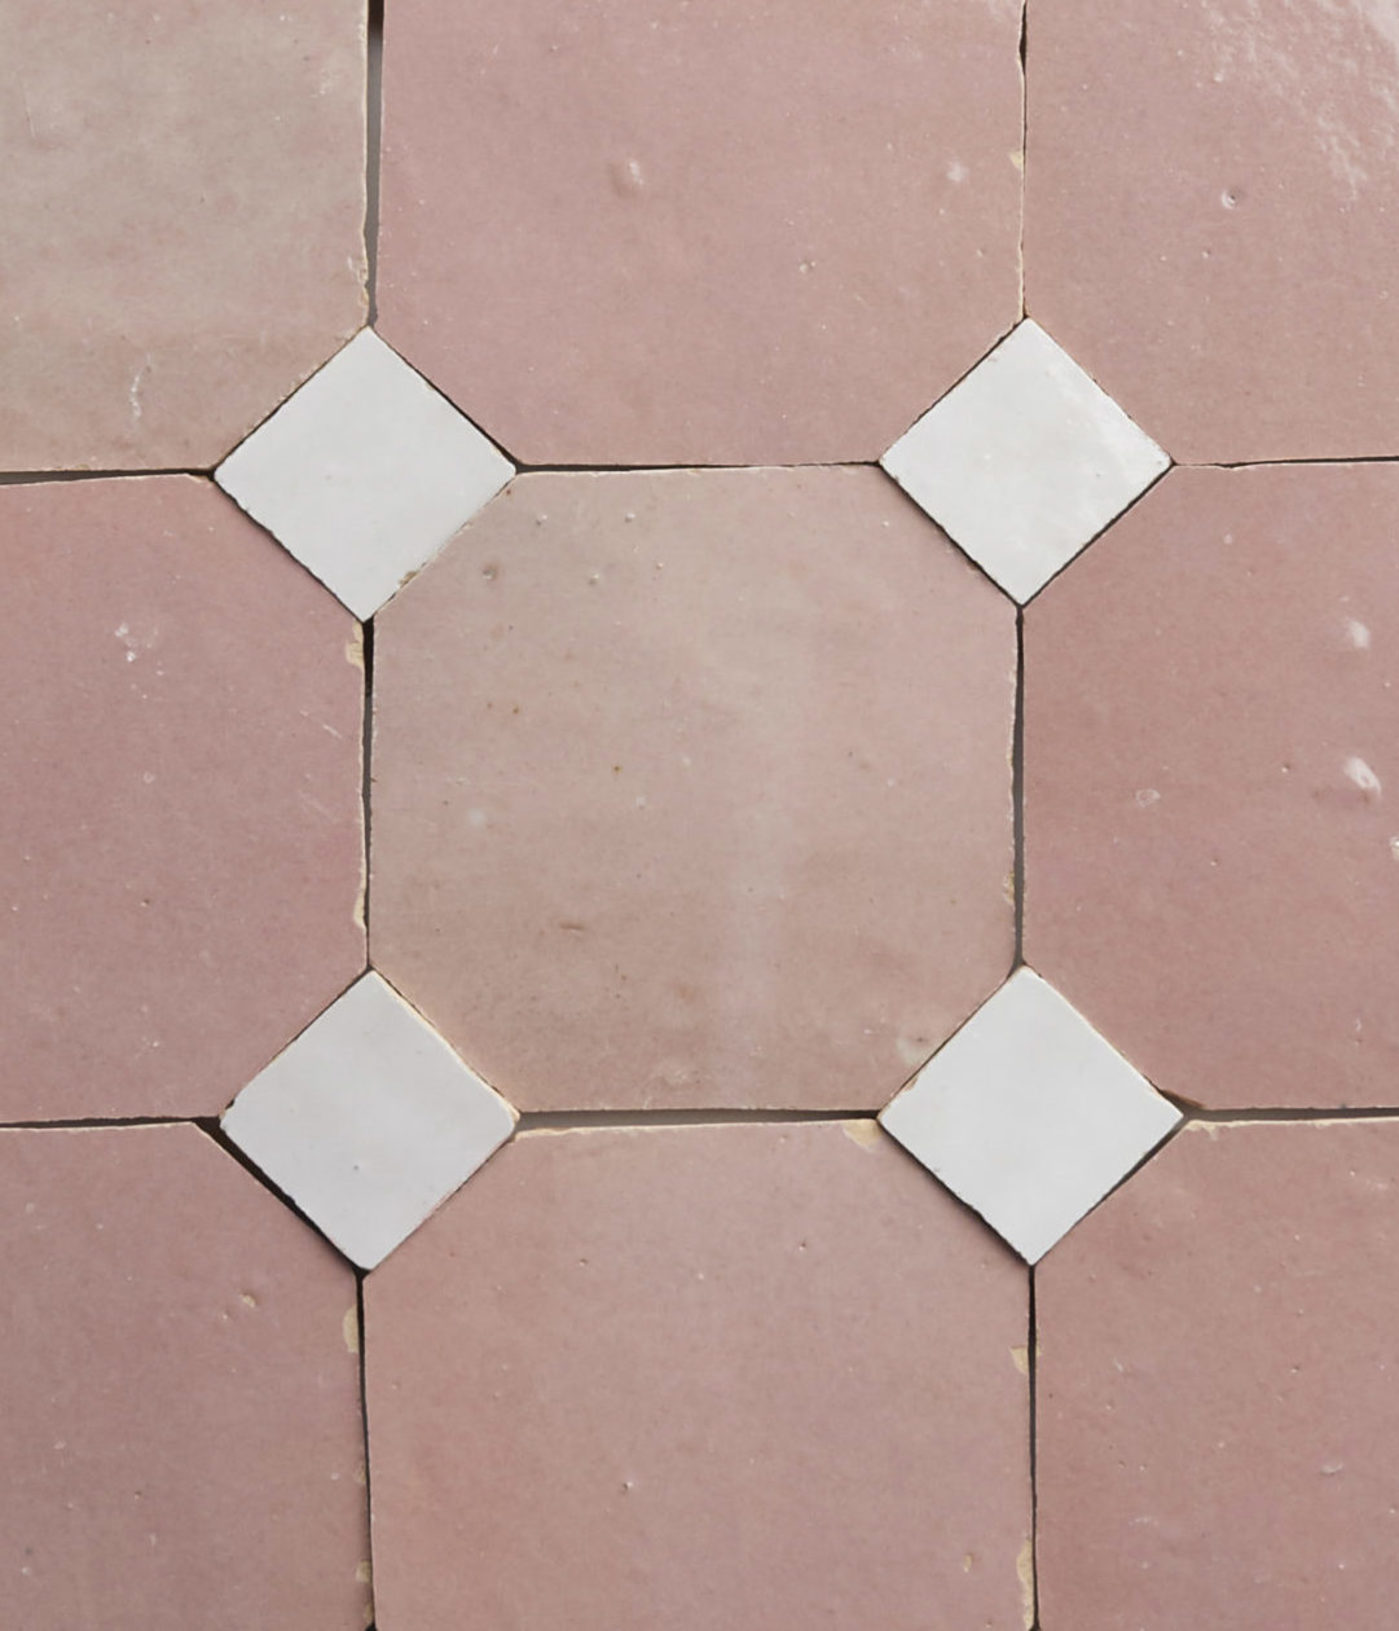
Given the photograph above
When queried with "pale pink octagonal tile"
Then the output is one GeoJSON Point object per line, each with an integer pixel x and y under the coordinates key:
{"type": "Point", "coordinates": [1217, 1427]}
{"type": "Point", "coordinates": [1210, 196]}
{"type": "Point", "coordinates": [1211, 726]}
{"type": "Point", "coordinates": [183, 197]}
{"type": "Point", "coordinates": [180, 842]}
{"type": "Point", "coordinates": [693, 788]}
{"type": "Point", "coordinates": [180, 1390]}
{"type": "Point", "coordinates": [760, 1375]}
{"type": "Point", "coordinates": [709, 234]}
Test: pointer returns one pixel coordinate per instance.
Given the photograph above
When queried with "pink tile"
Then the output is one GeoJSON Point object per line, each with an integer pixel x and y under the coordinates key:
{"type": "Point", "coordinates": [183, 199]}
{"type": "Point", "coordinates": [180, 751]}
{"type": "Point", "coordinates": [180, 1390]}
{"type": "Point", "coordinates": [1209, 198]}
{"type": "Point", "coordinates": [719, 234]}
{"type": "Point", "coordinates": [694, 789]}
{"type": "Point", "coordinates": [767, 1376]}
{"type": "Point", "coordinates": [1216, 1421]}
{"type": "Point", "coordinates": [1211, 719]}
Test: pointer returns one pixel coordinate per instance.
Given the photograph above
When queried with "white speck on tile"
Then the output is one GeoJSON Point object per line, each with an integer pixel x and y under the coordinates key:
{"type": "Point", "coordinates": [1145, 797]}
{"type": "Point", "coordinates": [957, 172]}
{"type": "Point", "coordinates": [1357, 634]}
{"type": "Point", "coordinates": [1358, 772]}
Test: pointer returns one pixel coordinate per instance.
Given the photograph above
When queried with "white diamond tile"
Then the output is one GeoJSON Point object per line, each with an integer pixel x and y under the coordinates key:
{"type": "Point", "coordinates": [368, 1121]}
{"type": "Point", "coordinates": [1024, 461]}
{"type": "Point", "coordinates": [364, 473]}
{"type": "Point", "coordinates": [1029, 1115]}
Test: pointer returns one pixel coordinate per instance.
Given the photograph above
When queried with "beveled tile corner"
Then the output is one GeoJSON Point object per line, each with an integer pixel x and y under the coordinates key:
{"type": "Point", "coordinates": [183, 848]}
{"type": "Point", "coordinates": [364, 473]}
{"type": "Point", "coordinates": [1029, 1116]}
{"type": "Point", "coordinates": [179, 1380]}
{"type": "Point", "coordinates": [693, 788]}
{"type": "Point", "coordinates": [184, 197]}
{"type": "Point", "coordinates": [1024, 461]}
{"type": "Point", "coordinates": [723, 234]}
{"type": "Point", "coordinates": [368, 1121]}
{"type": "Point", "coordinates": [757, 1375]}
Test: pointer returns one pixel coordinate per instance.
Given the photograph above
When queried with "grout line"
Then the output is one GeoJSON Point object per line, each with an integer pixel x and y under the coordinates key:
{"type": "Point", "coordinates": [96, 1123]}
{"type": "Point", "coordinates": [17, 478]}
{"type": "Point", "coordinates": [1017, 783]}
{"type": "Point", "coordinates": [373, 142]}
{"type": "Point", "coordinates": [523, 469]}
{"type": "Point", "coordinates": [1198, 1113]}
{"type": "Point", "coordinates": [1024, 144]}
{"type": "Point", "coordinates": [1275, 464]}
{"type": "Point", "coordinates": [1032, 1366]}
{"type": "Point", "coordinates": [564, 1120]}
{"type": "Point", "coordinates": [1102, 532]}
{"type": "Point", "coordinates": [367, 761]}
{"type": "Point", "coordinates": [364, 1428]}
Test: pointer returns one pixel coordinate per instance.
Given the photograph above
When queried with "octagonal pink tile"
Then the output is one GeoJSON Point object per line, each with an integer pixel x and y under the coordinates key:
{"type": "Point", "coordinates": [693, 788]}
{"type": "Point", "coordinates": [180, 747]}
{"type": "Point", "coordinates": [757, 1375]}
{"type": "Point", "coordinates": [1211, 712]}
{"type": "Point", "coordinates": [1216, 1422]}
{"type": "Point", "coordinates": [183, 1442]}
{"type": "Point", "coordinates": [711, 234]}
{"type": "Point", "coordinates": [183, 197]}
{"type": "Point", "coordinates": [1223, 262]}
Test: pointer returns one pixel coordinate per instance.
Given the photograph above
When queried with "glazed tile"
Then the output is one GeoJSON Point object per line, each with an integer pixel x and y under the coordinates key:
{"type": "Point", "coordinates": [368, 1121]}
{"type": "Point", "coordinates": [693, 789]}
{"type": "Point", "coordinates": [1223, 263]}
{"type": "Point", "coordinates": [183, 1441]}
{"type": "Point", "coordinates": [1211, 858]}
{"type": "Point", "coordinates": [183, 197]}
{"type": "Point", "coordinates": [180, 751]}
{"type": "Point", "coordinates": [757, 1375]}
{"type": "Point", "coordinates": [1216, 1424]}
{"type": "Point", "coordinates": [1029, 1115]}
{"type": "Point", "coordinates": [365, 473]}
{"type": "Point", "coordinates": [1024, 461]}
{"type": "Point", "coordinates": [720, 234]}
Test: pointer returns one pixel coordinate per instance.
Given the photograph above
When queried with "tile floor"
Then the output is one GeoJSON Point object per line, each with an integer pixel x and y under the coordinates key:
{"type": "Point", "coordinates": [696, 909]}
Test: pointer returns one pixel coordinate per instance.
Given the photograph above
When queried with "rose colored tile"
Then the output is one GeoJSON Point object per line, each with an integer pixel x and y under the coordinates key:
{"type": "Point", "coordinates": [183, 198]}
{"type": "Point", "coordinates": [1216, 1421]}
{"type": "Point", "coordinates": [693, 788]}
{"type": "Point", "coordinates": [180, 1390]}
{"type": "Point", "coordinates": [1211, 856]}
{"type": "Point", "coordinates": [719, 234]}
{"type": "Point", "coordinates": [180, 750]}
{"type": "Point", "coordinates": [1222, 263]}
{"type": "Point", "coordinates": [368, 1121]}
{"type": "Point", "coordinates": [1029, 1115]}
{"type": "Point", "coordinates": [767, 1376]}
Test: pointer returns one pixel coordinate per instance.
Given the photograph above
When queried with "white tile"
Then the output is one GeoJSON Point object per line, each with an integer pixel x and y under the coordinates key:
{"type": "Point", "coordinates": [1024, 461]}
{"type": "Point", "coordinates": [365, 473]}
{"type": "Point", "coordinates": [1029, 1115]}
{"type": "Point", "coordinates": [368, 1121]}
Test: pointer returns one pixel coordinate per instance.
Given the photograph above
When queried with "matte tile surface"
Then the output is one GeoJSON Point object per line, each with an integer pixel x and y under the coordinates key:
{"type": "Point", "coordinates": [180, 1391]}
{"type": "Point", "coordinates": [711, 234]}
{"type": "Point", "coordinates": [694, 789]}
{"type": "Point", "coordinates": [1210, 198]}
{"type": "Point", "coordinates": [1216, 1418]}
{"type": "Point", "coordinates": [1029, 1115]}
{"type": "Point", "coordinates": [767, 1376]}
{"type": "Point", "coordinates": [1024, 461]}
{"type": "Point", "coordinates": [368, 1121]}
{"type": "Point", "coordinates": [181, 856]}
{"type": "Point", "coordinates": [183, 199]}
{"type": "Point", "coordinates": [1211, 856]}
{"type": "Point", "coordinates": [365, 473]}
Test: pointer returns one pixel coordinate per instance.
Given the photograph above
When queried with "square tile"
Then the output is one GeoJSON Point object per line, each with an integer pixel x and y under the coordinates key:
{"type": "Point", "coordinates": [364, 473]}
{"type": "Point", "coordinates": [1029, 1115]}
{"type": "Point", "coordinates": [368, 1121]}
{"type": "Point", "coordinates": [1024, 461]}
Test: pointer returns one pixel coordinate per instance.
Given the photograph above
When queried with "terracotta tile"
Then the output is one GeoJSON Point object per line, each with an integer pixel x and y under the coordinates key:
{"type": "Point", "coordinates": [365, 473]}
{"type": "Point", "coordinates": [693, 789]}
{"type": "Point", "coordinates": [183, 198]}
{"type": "Point", "coordinates": [368, 1121]}
{"type": "Point", "coordinates": [1223, 265]}
{"type": "Point", "coordinates": [183, 1443]}
{"type": "Point", "coordinates": [1024, 461]}
{"type": "Point", "coordinates": [1029, 1115]}
{"type": "Point", "coordinates": [759, 1375]}
{"type": "Point", "coordinates": [180, 750]}
{"type": "Point", "coordinates": [1210, 856]}
{"type": "Point", "coordinates": [720, 234]}
{"type": "Point", "coordinates": [1216, 1416]}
